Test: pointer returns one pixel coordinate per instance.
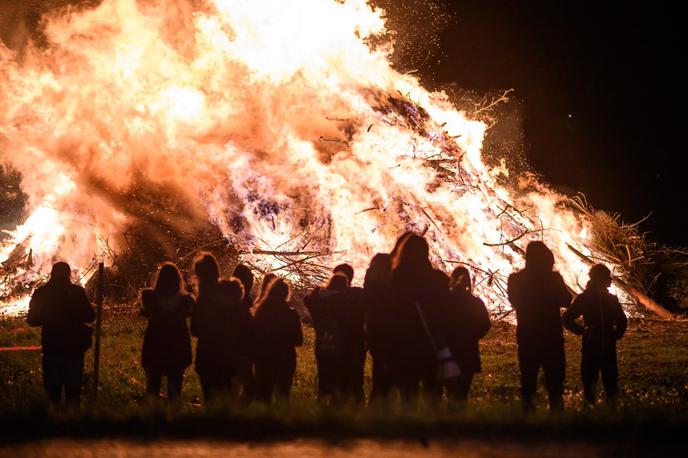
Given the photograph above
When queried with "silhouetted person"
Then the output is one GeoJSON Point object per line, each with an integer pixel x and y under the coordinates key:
{"type": "Point", "coordinates": [376, 293]}
{"type": "Point", "coordinates": [277, 333]}
{"type": "Point", "coordinates": [62, 309]}
{"type": "Point", "coordinates": [245, 374]}
{"type": "Point", "coordinates": [222, 324]}
{"type": "Point", "coordinates": [416, 288]}
{"type": "Point", "coordinates": [604, 322]}
{"type": "Point", "coordinates": [466, 323]}
{"type": "Point", "coordinates": [537, 294]}
{"type": "Point", "coordinates": [338, 320]}
{"type": "Point", "coordinates": [166, 342]}
{"type": "Point", "coordinates": [346, 270]}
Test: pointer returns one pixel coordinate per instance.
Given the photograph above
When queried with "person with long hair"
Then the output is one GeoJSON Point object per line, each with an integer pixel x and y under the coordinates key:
{"type": "Point", "coordinates": [604, 322]}
{"type": "Point", "coordinates": [166, 343]}
{"type": "Point", "coordinates": [376, 294]}
{"type": "Point", "coordinates": [277, 330]}
{"type": "Point", "coordinates": [245, 379]}
{"type": "Point", "coordinates": [467, 322]}
{"type": "Point", "coordinates": [419, 295]}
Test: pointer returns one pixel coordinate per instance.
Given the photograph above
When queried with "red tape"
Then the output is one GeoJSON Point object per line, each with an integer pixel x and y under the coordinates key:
{"type": "Point", "coordinates": [32, 348]}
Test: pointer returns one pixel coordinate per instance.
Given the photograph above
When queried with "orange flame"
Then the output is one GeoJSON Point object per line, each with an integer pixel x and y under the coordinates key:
{"type": "Point", "coordinates": [280, 121]}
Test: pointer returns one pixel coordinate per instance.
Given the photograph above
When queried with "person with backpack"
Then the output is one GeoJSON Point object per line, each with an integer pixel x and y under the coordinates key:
{"type": "Point", "coordinates": [338, 320]}
{"type": "Point", "coordinates": [166, 348]}
{"type": "Point", "coordinates": [62, 310]}
{"type": "Point", "coordinates": [604, 322]}
{"type": "Point", "coordinates": [277, 331]}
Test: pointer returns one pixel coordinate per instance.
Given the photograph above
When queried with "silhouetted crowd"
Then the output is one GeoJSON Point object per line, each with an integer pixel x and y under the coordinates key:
{"type": "Point", "coordinates": [421, 327]}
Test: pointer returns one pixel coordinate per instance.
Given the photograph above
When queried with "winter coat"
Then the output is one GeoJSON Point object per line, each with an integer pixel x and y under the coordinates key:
{"type": "Point", "coordinates": [224, 330]}
{"type": "Point", "coordinates": [408, 337]}
{"type": "Point", "coordinates": [604, 320]}
{"type": "Point", "coordinates": [466, 323]}
{"type": "Point", "coordinates": [378, 310]}
{"type": "Point", "coordinates": [166, 341]}
{"type": "Point", "coordinates": [277, 332]}
{"type": "Point", "coordinates": [338, 318]}
{"type": "Point", "coordinates": [536, 298]}
{"type": "Point", "coordinates": [63, 311]}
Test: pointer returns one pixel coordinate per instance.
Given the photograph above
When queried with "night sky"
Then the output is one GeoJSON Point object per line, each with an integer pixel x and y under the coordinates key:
{"type": "Point", "coordinates": [601, 95]}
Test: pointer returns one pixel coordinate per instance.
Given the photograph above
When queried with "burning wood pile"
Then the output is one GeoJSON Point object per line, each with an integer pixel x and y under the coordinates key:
{"type": "Point", "coordinates": [272, 133]}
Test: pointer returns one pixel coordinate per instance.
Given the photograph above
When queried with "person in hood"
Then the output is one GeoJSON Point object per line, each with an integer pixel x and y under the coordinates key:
{"type": "Point", "coordinates": [277, 330]}
{"type": "Point", "coordinates": [466, 323]}
{"type": "Point", "coordinates": [62, 310]}
{"type": "Point", "coordinates": [338, 319]}
{"type": "Point", "coordinates": [166, 343]}
{"type": "Point", "coordinates": [604, 322]}
{"type": "Point", "coordinates": [376, 294]}
{"type": "Point", "coordinates": [537, 294]}
{"type": "Point", "coordinates": [221, 323]}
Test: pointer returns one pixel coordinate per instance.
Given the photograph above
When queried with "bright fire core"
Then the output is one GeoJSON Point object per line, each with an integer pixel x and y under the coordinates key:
{"type": "Point", "coordinates": [282, 123]}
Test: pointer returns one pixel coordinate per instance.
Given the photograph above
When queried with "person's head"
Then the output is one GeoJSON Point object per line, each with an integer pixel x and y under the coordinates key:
{"type": "Point", "coordinates": [244, 274]}
{"type": "Point", "coordinates": [267, 279]}
{"type": "Point", "coordinates": [460, 280]}
{"type": "Point", "coordinates": [338, 282]}
{"type": "Point", "coordinates": [600, 277]}
{"type": "Point", "coordinates": [412, 254]}
{"type": "Point", "coordinates": [231, 290]}
{"type": "Point", "coordinates": [346, 270]}
{"type": "Point", "coordinates": [61, 273]}
{"type": "Point", "coordinates": [206, 269]}
{"type": "Point", "coordinates": [277, 294]}
{"type": "Point", "coordinates": [380, 269]}
{"type": "Point", "coordinates": [168, 280]}
{"type": "Point", "coordinates": [539, 257]}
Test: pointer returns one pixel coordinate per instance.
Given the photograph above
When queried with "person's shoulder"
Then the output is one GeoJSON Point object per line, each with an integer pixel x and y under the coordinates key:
{"type": "Point", "coordinates": [148, 295]}
{"type": "Point", "coordinates": [517, 276]}
{"type": "Point", "coordinates": [77, 289]}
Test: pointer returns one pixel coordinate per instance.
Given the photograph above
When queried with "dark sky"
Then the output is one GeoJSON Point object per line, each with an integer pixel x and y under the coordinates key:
{"type": "Point", "coordinates": [614, 68]}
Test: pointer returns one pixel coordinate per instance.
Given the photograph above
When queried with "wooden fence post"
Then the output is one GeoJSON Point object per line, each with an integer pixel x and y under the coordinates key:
{"type": "Point", "coordinates": [99, 320]}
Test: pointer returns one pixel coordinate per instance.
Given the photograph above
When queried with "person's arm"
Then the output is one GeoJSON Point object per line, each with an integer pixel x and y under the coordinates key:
{"type": "Point", "coordinates": [87, 313]}
{"type": "Point", "coordinates": [572, 314]}
{"type": "Point", "coordinates": [482, 319]}
{"type": "Point", "coordinates": [196, 319]}
{"type": "Point", "coordinates": [514, 292]}
{"type": "Point", "coordinates": [620, 320]}
{"type": "Point", "coordinates": [564, 297]}
{"type": "Point", "coordinates": [36, 309]}
{"type": "Point", "coordinates": [147, 299]}
{"type": "Point", "coordinates": [298, 333]}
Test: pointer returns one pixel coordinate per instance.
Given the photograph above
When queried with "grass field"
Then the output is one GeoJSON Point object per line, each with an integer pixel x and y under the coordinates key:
{"type": "Point", "coordinates": [652, 404]}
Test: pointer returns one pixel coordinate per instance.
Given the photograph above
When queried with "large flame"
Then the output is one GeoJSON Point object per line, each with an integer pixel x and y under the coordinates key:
{"type": "Point", "coordinates": [278, 121]}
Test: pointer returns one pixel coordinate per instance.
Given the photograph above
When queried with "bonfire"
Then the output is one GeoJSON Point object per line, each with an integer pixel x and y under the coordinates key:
{"type": "Point", "coordinates": [273, 133]}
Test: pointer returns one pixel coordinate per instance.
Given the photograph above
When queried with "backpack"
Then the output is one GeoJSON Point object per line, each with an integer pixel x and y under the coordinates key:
{"type": "Point", "coordinates": [328, 335]}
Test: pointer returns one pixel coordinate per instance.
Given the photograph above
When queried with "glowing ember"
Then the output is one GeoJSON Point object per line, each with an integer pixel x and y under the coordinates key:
{"type": "Point", "coordinates": [279, 122]}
